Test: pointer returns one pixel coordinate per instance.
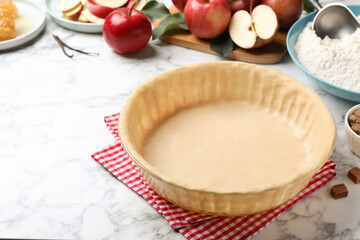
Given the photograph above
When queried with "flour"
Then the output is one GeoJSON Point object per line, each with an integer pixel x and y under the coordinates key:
{"type": "Point", "coordinates": [332, 60]}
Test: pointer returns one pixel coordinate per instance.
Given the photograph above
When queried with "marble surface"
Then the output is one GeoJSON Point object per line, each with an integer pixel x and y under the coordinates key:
{"type": "Point", "coordinates": [51, 121]}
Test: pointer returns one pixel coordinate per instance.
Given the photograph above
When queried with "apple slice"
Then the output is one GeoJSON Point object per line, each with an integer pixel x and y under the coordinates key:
{"type": "Point", "coordinates": [138, 6]}
{"type": "Point", "coordinates": [100, 11]}
{"type": "Point", "coordinates": [92, 2]}
{"type": "Point", "coordinates": [255, 30]}
{"type": "Point", "coordinates": [82, 18]}
{"type": "Point", "coordinates": [68, 5]}
{"type": "Point", "coordinates": [91, 17]}
{"type": "Point", "coordinates": [111, 3]}
{"type": "Point", "coordinates": [74, 13]}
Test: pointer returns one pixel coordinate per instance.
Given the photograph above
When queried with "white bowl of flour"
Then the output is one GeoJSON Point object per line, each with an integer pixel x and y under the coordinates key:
{"type": "Point", "coordinates": [334, 64]}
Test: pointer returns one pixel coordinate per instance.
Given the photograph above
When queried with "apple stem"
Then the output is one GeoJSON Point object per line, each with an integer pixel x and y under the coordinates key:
{"type": "Point", "coordinates": [251, 6]}
{"type": "Point", "coordinates": [132, 7]}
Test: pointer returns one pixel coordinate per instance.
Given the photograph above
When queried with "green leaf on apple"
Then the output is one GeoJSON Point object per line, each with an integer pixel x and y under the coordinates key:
{"type": "Point", "coordinates": [155, 9]}
{"type": "Point", "coordinates": [222, 45]}
{"type": "Point", "coordinates": [176, 20]}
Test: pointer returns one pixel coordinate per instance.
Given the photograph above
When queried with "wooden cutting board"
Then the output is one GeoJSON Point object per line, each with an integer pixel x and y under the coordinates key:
{"type": "Point", "coordinates": [269, 54]}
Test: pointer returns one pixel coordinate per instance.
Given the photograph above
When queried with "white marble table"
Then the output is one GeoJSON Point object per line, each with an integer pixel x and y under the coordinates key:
{"type": "Point", "coordinates": [51, 121]}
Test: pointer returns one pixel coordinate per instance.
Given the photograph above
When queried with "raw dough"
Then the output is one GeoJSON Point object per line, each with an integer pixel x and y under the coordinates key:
{"type": "Point", "coordinates": [227, 146]}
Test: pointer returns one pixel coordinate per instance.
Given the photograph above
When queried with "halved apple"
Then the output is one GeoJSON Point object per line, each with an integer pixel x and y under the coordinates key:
{"type": "Point", "coordinates": [254, 30]}
{"type": "Point", "coordinates": [138, 5]}
{"type": "Point", "coordinates": [91, 17]}
{"type": "Point", "coordinates": [110, 3]}
{"type": "Point", "coordinates": [68, 5]}
{"type": "Point", "coordinates": [100, 11]}
{"type": "Point", "coordinates": [74, 13]}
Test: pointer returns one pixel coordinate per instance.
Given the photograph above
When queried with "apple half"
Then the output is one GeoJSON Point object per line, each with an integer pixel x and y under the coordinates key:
{"type": "Point", "coordinates": [254, 30]}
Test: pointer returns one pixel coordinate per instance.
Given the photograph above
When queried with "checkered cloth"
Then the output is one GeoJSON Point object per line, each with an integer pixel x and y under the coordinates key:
{"type": "Point", "coordinates": [194, 225]}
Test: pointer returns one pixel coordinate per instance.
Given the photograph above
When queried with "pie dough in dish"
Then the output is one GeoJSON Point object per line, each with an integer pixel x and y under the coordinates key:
{"type": "Point", "coordinates": [226, 138]}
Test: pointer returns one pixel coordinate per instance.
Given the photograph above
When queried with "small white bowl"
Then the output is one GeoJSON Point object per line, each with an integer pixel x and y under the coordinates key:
{"type": "Point", "coordinates": [352, 138]}
{"type": "Point", "coordinates": [26, 9]}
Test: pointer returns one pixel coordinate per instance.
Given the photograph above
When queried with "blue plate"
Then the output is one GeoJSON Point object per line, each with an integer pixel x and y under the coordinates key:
{"type": "Point", "coordinates": [291, 40]}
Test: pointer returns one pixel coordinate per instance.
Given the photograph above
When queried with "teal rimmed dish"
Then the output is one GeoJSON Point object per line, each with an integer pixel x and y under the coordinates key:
{"type": "Point", "coordinates": [51, 8]}
{"type": "Point", "coordinates": [291, 40]}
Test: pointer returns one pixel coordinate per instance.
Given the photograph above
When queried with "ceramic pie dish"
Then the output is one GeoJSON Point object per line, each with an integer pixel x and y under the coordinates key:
{"type": "Point", "coordinates": [226, 138]}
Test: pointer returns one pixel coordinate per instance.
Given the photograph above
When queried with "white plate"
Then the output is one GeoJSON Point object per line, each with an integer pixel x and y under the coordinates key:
{"type": "Point", "coordinates": [52, 5]}
{"type": "Point", "coordinates": [35, 18]}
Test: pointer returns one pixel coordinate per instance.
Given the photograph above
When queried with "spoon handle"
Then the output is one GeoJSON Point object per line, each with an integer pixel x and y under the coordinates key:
{"type": "Point", "coordinates": [315, 4]}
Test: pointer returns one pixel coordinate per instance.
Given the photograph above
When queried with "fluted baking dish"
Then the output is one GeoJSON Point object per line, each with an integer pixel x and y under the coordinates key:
{"type": "Point", "coordinates": [166, 94]}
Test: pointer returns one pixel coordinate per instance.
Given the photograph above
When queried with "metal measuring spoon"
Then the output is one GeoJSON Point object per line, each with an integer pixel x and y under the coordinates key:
{"type": "Point", "coordinates": [334, 20]}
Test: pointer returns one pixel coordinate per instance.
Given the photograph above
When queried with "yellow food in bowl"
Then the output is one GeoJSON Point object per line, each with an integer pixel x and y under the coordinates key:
{"type": "Point", "coordinates": [8, 14]}
{"type": "Point", "coordinates": [226, 138]}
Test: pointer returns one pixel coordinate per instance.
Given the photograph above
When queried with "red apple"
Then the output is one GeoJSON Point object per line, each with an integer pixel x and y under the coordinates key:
{"type": "Point", "coordinates": [180, 4]}
{"type": "Point", "coordinates": [100, 11]}
{"type": "Point", "coordinates": [246, 5]}
{"type": "Point", "coordinates": [253, 30]}
{"type": "Point", "coordinates": [207, 19]}
{"type": "Point", "coordinates": [287, 11]}
{"type": "Point", "coordinates": [127, 30]}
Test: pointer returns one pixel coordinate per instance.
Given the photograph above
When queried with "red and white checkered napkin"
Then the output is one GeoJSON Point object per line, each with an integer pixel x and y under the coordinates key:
{"type": "Point", "coordinates": [194, 225]}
